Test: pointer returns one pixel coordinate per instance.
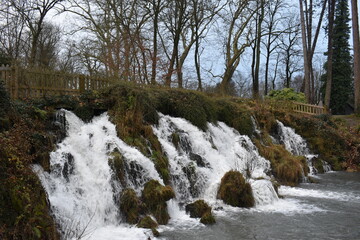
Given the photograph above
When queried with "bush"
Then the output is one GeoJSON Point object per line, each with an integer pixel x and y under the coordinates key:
{"type": "Point", "coordinates": [287, 94]}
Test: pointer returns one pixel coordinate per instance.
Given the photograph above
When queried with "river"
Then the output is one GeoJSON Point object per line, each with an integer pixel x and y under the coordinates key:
{"type": "Point", "coordinates": [329, 209]}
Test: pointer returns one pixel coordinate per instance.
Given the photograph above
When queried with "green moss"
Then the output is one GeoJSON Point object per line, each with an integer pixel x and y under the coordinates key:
{"type": "Point", "coordinates": [155, 196]}
{"type": "Point", "coordinates": [235, 191]}
{"type": "Point", "coordinates": [131, 206]}
{"type": "Point", "coordinates": [148, 222]}
{"type": "Point", "coordinates": [235, 115]}
{"type": "Point", "coordinates": [197, 209]}
{"type": "Point", "coordinates": [200, 209]}
{"type": "Point", "coordinates": [161, 165]}
{"type": "Point", "coordinates": [287, 168]}
{"type": "Point", "coordinates": [85, 112]}
{"type": "Point", "coordinates": [207, 219]}
{"type": "Point", "coordinates": [322, 138]}
{"type": "Point", "coordinates": [116, 162]}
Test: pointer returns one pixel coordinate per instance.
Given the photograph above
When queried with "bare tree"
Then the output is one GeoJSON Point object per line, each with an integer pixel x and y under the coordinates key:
{"type": "Point", "coordinates": [272, 21]}
{"type": "Point", "coordinates": [309, 41]}
{"type": "Point", "coordinates": [289, 48]}
{"type": "Point", "coordinates": [236, 20]}
{"type": "Point", "coordinates": [33, 14]}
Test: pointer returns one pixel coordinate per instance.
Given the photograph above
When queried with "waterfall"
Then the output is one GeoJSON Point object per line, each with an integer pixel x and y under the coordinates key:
{"type": "Point", "coordinates": [81, 186]}
{"type": "Point", "coordinates": [295, 144]}
{"type": "Point", "coordinates": [198, 160]}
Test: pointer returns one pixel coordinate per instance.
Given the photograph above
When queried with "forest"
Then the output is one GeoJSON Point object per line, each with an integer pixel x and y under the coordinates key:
{"type": "Point", "coordinates": [243, 48]}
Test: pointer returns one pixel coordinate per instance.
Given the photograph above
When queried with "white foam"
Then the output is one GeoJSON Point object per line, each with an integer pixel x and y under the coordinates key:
{"type": "Point", "coordinates": [300, 192]}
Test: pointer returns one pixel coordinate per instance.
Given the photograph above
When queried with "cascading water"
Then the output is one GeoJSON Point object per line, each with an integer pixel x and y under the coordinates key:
{"type": "Point", "coordinates": [198, 159]}
{"type": "Point", "coordinates": [295, 144]}
{"type": "Point", "coordinates": [81, 185]}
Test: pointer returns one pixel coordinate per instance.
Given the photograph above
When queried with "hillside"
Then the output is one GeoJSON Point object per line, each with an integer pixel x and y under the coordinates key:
{"type": "Point", "coordinates": [30, 130]}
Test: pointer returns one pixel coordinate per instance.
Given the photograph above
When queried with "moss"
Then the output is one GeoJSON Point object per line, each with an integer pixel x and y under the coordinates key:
{"type": "Point", "coordinates": [116, 162]}
{"type": "Point", "coordinates": [155, 196]}
{"type": "Point", "coordinates": [148, 222]}
{"type": "Point", "coordinates": [235, 191]}
{"type": "Point", "coordinates": [200, 209]}
{"type": "Point", "coordinates": [131, 206]}
{"type": "Point", "coordinates": [207, 219]}
{"type": "Point", "coordinates": [322, 138]}
{"type": "Point", "coordinates": [236, 116]}
{"type": "Point", "coordinates": [197, 209]}
{"type": "Point", "coordinates": [287, 168]}
{"type": "Point", "coordinates": [318, 165]}
{"type": "Point", "coordinates": [85, 112]}
{"type": "Point", "coordinates": [161, 165]}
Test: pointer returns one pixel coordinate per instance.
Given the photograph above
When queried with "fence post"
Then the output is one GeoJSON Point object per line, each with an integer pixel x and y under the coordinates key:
{"type": "Point", "coordinates": [82, 83]}
{"type": "Point", "coordinates": [15, 79]}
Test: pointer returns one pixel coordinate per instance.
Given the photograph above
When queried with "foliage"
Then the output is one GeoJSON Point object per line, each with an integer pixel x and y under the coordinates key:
{"type": "Point", "coordinates": [24, 212]}
{"type": "Point", "coordinates": [341, 88]}
{"type": "Point", "coordinates": [287, 94]}
{"type": "Point", "coordinates": [235, 191]}
{"type": "Point", "coordinates": [4, 100]}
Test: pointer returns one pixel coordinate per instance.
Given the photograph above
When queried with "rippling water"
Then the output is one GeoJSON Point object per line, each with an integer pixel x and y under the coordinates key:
{"type": "Point", "coordinates": [329, 209]}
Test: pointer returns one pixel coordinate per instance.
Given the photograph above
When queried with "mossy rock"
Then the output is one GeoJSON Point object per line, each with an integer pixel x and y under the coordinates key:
{"type": "Point", "coordinates": [155, 196]}
{"type": "Point", "coordinates": [131, 206]}
{"type": "Point", "coordinates": [207, 218]}
{"type": "Point", "coordinates": [235, 191]}
{"type": "Point", "coordinates": [116, 162]}
{"type": "Point", "coordinates": [197, 209]}
{"type": "Point", "coordinates": [148, 222]}
{"type": "Point", "coordinates": [200, 209]}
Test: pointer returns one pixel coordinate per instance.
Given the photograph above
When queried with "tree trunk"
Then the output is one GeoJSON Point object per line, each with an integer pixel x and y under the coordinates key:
{"type": "Point", "coordinates": [356, 43]}
{"type": "Point", "coordinates": [330, 53]}
{"type": "Point", "coordinates": [305, 52]}
{"type": "Point", "coordinates": [155, 48]}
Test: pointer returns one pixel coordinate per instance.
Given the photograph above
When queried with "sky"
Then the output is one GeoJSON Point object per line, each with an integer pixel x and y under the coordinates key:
{"type": "Point", "coordinates": [213, 58]}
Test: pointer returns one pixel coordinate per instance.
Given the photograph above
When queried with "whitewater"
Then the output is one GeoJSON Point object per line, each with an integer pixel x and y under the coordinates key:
{"type": "Point", "coordinates": [83, 189]}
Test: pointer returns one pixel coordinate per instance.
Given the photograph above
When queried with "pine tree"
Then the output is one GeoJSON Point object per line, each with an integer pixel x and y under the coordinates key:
{"type": "Point", "coordinates": [342, 62]}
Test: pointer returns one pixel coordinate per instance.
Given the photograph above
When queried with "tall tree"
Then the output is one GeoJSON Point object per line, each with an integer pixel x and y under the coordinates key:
{"type": "Point", "coordinates": [309, 41]}
{"type": "Point", "coordinates": [356, 45]}
{"type": "Point", "coordinates": [33, 13]}
{"type": "Point", "coordinates": [271, 21]}
{"type": "Point", "coordinates": [331, 17]}
{"type": "Point", "coordinates": [341, 70]}
{"type": "Point", "coordinates": [237, 20]}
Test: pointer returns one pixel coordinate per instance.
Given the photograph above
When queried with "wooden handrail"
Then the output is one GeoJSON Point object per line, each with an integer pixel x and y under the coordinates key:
{"type": "Point", "coordinates": [308, 108]}
{"type": "Point", "coordinates": [33, 83]}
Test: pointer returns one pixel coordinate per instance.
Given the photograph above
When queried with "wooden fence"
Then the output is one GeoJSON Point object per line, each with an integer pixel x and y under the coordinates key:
{"type": "Point", "coordinates": [33, 83]}
{"type": "Point", "coordinates": [308, 108]}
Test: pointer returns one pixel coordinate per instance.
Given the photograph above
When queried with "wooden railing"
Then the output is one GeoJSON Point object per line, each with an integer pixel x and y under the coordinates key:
{"type": "Point", "coordinates": [308, 108]}
{"type": "Point", "coordinates": [33, 83]}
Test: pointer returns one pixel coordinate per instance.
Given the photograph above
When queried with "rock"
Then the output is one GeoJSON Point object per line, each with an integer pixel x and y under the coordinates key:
{"type": "Point", "coordinates": [207, 218]}
{"type": "Point", "coordinates": [130, 206]}
{"type": "Point", "coordinates": [147, 222]}
{"type": "Point", "coordinates": [200, 209]}
{"type": "Point", "coordinates": [199, 160]}
{"type": "Point", "coordinates": [197, 209]}
{"type": "Point", "coordinates": [235, 191]}
{"type": "Point", "coordinates": [155, 196]}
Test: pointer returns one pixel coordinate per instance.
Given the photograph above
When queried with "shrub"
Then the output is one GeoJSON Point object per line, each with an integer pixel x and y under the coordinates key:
{"type": "Point", "coordinates": [287, 94]}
